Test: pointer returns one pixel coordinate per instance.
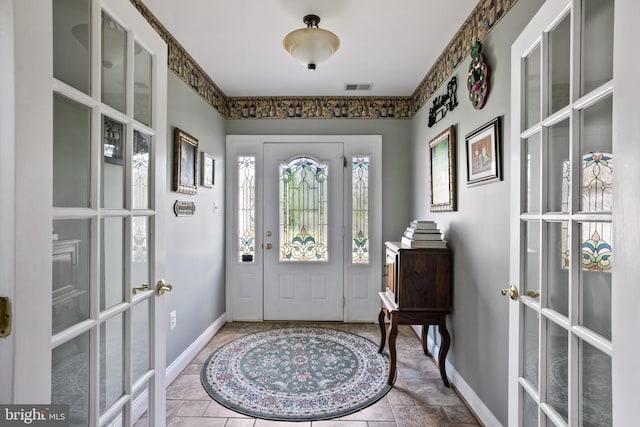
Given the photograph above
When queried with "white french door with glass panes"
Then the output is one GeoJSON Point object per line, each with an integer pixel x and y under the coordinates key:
{"type": "Point", "coordinates": [305, 226]}
{"type": "Point", "coordinates": [87, 296]}
{"type": "Point", "coordinates": [564, 258]}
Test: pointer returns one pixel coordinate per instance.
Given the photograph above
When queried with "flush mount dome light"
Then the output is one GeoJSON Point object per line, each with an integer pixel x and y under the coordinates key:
{"type": "Point", "coordinates": [311, 45]}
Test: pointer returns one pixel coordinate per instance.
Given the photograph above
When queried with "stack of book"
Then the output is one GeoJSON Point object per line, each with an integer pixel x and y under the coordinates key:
{"type": "Point", "coordinates": [423, 234]}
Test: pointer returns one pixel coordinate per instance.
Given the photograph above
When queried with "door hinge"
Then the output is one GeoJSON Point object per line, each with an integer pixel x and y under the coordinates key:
{"type": "Point", "coordinates": [344, 302]}
{"type": "Point", "coordinates": [344, 159]}
{"type": "Point", "coordinates": [6, 316]}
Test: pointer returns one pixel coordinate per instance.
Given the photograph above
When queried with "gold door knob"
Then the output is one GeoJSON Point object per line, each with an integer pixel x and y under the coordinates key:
{"type": "Point", "coordinates": [163, 287]}
{"type": "Point", "coordinates": [268, 246]}
{"type": "Point", "coordinates": [511, 292]}
{"type": "Point", "coordinates": [140, 288]}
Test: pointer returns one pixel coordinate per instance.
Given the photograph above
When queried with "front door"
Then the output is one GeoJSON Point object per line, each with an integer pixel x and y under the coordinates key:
{"type": "Point", "coordinates": [563, 253]}
{"type": "Point", "coordinates": [303, 231]}
{"type": "Point", "coordinates": [89, 329]}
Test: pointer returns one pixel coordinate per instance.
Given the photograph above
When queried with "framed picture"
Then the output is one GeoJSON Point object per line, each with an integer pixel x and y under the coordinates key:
{"type": "Point", "coordinates": [442, 162]}
{"type": "Point", "coordinates": [185, 163]}
{"type": "Point", "coordinates": [483, 153]}
{"type": "Point", "coordinates": [207, 169]}
{"type": "Point", "coordinates": [112, 132]}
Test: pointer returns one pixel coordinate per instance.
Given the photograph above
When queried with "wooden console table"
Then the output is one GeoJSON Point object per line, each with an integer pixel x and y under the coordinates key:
{"type": "Point", "coordinates": [418, 293]}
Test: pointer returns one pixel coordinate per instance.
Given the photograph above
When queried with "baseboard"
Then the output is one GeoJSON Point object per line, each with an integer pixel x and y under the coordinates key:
{"type": "Point", "coordinates": [478, 407]}
{"type": "Point", "coordinates": [182, 361]}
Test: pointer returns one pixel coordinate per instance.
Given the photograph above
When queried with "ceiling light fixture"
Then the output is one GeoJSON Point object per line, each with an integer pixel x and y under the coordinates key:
{"type": "Point", "coordinates": [311, 45]}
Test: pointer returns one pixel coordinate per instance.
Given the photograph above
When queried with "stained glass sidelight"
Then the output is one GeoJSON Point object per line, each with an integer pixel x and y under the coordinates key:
{"type": "Point", "coordinates": [360, 210]}
{"type": "Point", "coordinates": [303, 210]}
{"type": "Point", "coordinates": [246, 208]}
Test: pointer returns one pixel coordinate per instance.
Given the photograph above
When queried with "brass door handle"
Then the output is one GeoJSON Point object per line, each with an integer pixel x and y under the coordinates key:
{"type": "Point", "coordinates": [140, 288]}
{"type": "Point", "coordinates": [511, 292]}
{"type": "Point", "coordinates": [162, 287]}
{"type": "Point", "coordinates": [268, 246]}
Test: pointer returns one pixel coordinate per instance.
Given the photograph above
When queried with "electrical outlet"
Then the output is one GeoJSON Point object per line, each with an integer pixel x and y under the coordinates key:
{"type": "Point", "coordinates": [172, 319]}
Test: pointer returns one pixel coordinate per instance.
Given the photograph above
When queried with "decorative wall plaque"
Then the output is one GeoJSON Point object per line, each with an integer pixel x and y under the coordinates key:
{"type": "Point", "coordinates": [478, 77]}
{"type": "Point", "coordinates": [444, 103]}
{"type": "Point", "coordinates": [184, 208]}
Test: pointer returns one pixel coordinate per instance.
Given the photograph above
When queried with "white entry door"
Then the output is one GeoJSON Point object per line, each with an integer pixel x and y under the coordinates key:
{"type": "Point", "coordinates": [303, 231]}
{"type": "Point", "coordinates": [89, 324]}
{"type": "Point", "coordinates": [563, 253]}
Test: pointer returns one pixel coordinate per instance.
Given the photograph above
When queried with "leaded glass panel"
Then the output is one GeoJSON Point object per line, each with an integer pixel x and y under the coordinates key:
{"type": "Point", "coordinates": [360, 210]}
{"type": "Point", "coordinates": [303, 210]}
{"type": "Point", "coordinates": [246, 208]}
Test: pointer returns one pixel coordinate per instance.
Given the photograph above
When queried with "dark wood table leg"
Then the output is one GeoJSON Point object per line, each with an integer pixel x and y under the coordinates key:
{"type": "Point", "coordinates": [393, 333]}
{"type": "Point", "coordinates": [383, 331]}
{"type": "Point", "coordinates": [445, 342]}
{"type": "Point", "coordinates": [425, 330]}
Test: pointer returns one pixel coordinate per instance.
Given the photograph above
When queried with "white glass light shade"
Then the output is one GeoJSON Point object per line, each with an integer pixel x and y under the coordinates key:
{"type": "Point", "coordinates": [311, 46]}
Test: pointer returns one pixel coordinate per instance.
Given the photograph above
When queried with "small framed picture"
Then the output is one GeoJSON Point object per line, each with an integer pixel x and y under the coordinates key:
{"type": "Point", "coordinates": [185, 163]}
{"type": "Point", "coordinates": [207, 170]}
{"type": "Point", "coordinates": [483, 153]}
{"type": "Point", "coordinates": [442, 162]}
{"type": "Point", "coordinates": [112, 132]}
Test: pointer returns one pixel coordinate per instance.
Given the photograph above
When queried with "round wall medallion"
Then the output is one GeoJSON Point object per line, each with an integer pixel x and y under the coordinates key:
{"type": "Point", "coordinates": [478, 77]}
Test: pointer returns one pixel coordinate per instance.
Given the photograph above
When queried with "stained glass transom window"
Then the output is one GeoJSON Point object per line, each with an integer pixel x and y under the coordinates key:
{"type": "Point", "coordinates": [303, 210]}
{"type": "Point", "coordinates": [597, 196]}
{"type": "Point", "coordinates": [246, 208]}
{"type": "Point", "coordinates": [360, 210]}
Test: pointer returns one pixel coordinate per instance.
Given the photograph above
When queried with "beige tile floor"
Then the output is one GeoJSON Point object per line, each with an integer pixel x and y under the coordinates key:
{"type": "Point", "coordinates": [417, 399]}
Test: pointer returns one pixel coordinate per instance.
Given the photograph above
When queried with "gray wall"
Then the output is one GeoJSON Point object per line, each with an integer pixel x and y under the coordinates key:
{"type": "Point", "coordinates": [478, 232]}
{"type": "Point", "coordinates": [396, 179]}
{"type": "Point", "coordinates": [195, 244]}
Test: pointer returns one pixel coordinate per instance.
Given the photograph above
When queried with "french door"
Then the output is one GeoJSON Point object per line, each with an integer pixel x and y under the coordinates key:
{"type": "Point", "coordinates": [303, 243]}
{"type": "Point", "coordinates": [562, 241]}
{"type": "Point", "coordinates": [90, 292]}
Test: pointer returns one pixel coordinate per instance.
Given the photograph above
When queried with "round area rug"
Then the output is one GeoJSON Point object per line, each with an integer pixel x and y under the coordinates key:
{"type": "Point", "coordinates": [297, 374]}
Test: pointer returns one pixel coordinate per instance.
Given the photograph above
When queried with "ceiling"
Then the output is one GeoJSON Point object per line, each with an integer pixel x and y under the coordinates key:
{"type": "Point", "coordinates": [389, 44]}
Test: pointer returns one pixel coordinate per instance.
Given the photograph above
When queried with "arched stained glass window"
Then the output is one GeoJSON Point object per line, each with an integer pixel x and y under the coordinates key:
{"type": "Point", "coordinates": [303, 199]}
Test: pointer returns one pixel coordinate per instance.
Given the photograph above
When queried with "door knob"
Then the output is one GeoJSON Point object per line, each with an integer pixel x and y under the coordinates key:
{"type": "Point", "coordinates": [268, 246]}
{"type": "Point", "coordinates": [268, 233]}
{"type": "Point", "coordinates": [140, 288]}
{"type": "Point", "coordinates": [511, 292]}
{"type": "Point", "coordinates": [163, 287]}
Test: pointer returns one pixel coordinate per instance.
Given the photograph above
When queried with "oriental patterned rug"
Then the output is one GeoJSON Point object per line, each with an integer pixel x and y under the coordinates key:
{"type": "Point", "coordinates": [297, 374]}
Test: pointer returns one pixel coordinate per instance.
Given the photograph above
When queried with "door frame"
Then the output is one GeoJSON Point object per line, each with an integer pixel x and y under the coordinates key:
{"type": "Point", "coordinates": [244, 281]}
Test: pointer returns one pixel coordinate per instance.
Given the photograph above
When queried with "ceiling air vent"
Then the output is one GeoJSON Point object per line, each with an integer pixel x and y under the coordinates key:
{"type": "Point", "coordinates": [357, 86]}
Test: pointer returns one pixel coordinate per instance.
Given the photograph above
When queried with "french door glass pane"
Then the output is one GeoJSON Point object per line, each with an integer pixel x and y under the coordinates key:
{"type": "Point", "coordinates": [72, 43]}
{"type": "Point", "coordinates": [530, 411]}
{"type": "Point", "coordinates": [596, 147]}
{"type": "Point", "coordinates": [304, 207]}
{"type": "Point", "coordinates": [142, 63]}
{"type": "Point", "coordinates": [71, 256]}
{"type": "Point", "coordinates": [532, 170]}
{"type": "Point", "coordinates": [112, 262]}
{"type": "Point", "coordinates": [139, 251]}
{"type": "Point", "coordinates": [532, 88]}
{"type": "Point", "coordinates": [557, 369]}
{"type": "Point", "coordinates": [114, 61]}
{"type": "Point", "coordinates": [595, 278]}
{"type": "Point", "coordinates": [533, 257]}
{"type": "Point", "coordinates": [531, 346]}
{"type": "Point", "coordinates": [597, 43]}
{"type": "Point", "coordinates": [360, 210]}
{"type": "Point", "coordinates": [140, 339]}
{"type": "Point", "coordinates": [113, 175]}
{"type": "Point", "coordinates": [70, 378]}
{"type": "Point", "coordinates": [71, 153]}
{"type": "Point", "coordinates": [246, 208]}
{"type": "Point", "coordinates": [595, 386]}
{"type": "Point", "coordinates": [559, 188]}
{"type": "Point", "coordinates": [111, 361]}
{"type": "Point", "coordinates": [558, 267]}
{"type": "Point", "coordinates": [140, 170]}
{"type": "Point", "coordinates": [560, 53]}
